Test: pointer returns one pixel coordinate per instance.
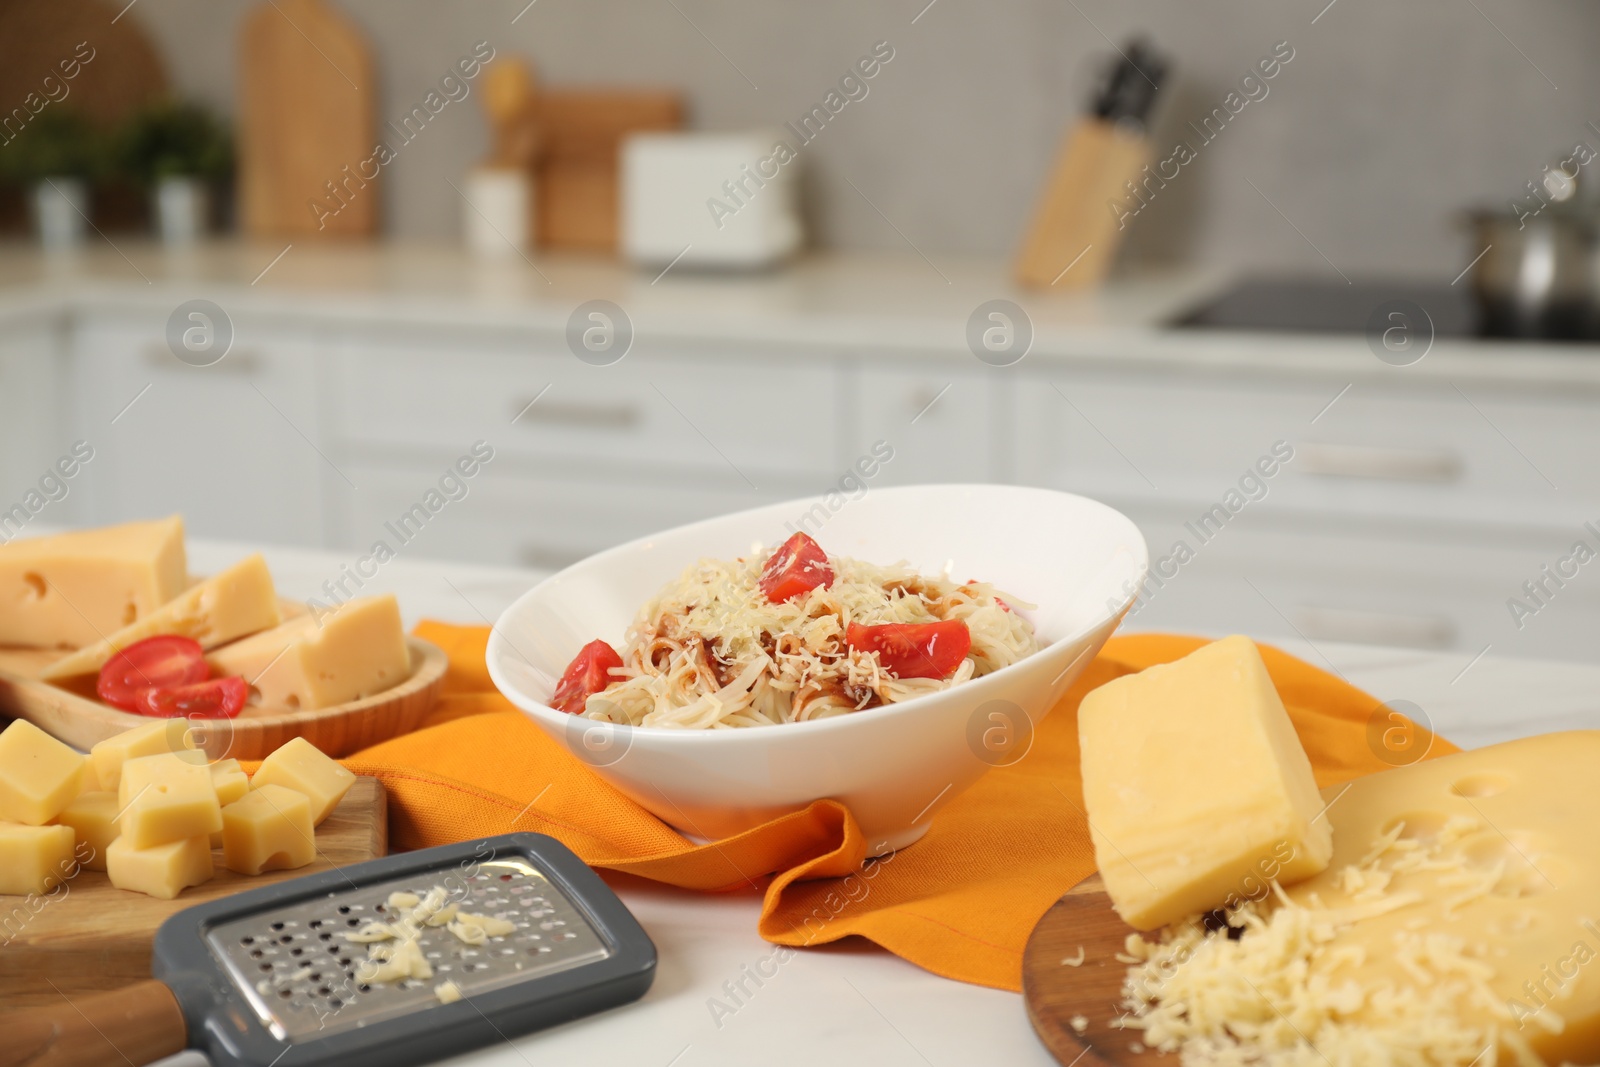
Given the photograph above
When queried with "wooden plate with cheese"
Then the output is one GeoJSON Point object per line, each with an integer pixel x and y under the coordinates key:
{"type": "Point", "coordinates": [343, 677]}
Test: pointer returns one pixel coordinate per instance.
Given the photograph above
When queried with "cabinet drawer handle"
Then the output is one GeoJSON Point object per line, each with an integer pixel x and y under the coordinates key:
{"type": "Point", "coordinates": [1378, 464]}
{"type": "Point", "coordinates": [158, 357]}
{"type": "Point", "coordinates": [1374, 627]}
{"type": "Point", "coordinates": [556, 413]}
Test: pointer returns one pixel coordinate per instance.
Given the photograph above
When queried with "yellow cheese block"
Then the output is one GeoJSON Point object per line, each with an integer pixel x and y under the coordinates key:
{"type": "Point", "coordinates": [34, 859]}
{"type": "Point", "coordinates": [301, 766]}
{"type": "Point", "coordinates": [151, 739]}
{"type": "Point", "coordinates": [269, 830]}
{"type": "Point", "coordinates": [231, 784]}
{"type": "Point", "coordinates": [93, 819]}
{"type": "Point", "coordinates": [162, 870]}
{"type": "Point", "coordinates": [318, 660]}
{"type": "Point", "coordinates": [230, 781]}
{"type": "Point", "coordinates": [237, 602]}
{"type": "Point", "coordinates": [1197, 790]}
{"type": "Point", "coordinates": [1498, 846]}
{"type": "Point", "coordinates": [166, 798]}
{"type": "Point", "coordinates": [69, 590]}
{"type": "Point", "coordinates": [38, 774]}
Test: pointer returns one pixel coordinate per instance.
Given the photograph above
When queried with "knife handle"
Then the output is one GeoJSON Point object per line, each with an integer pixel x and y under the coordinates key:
{"type": "Point", "coordinates": [138, 1024]}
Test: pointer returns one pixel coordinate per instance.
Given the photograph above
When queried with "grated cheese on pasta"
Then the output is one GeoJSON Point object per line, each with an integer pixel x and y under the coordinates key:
{"type": "Point", "coordinates": [712, 652]}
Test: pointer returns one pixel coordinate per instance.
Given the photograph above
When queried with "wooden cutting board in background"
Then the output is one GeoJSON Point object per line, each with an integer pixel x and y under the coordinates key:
{"type": "Point", "coordinates": [307, 107]}
{"type": "Point", "coordinates": [577, 183]}
{"type": "Point", "coordinates": [1056, 993]}
{"type": "Point", "coordinates": [94, 937]}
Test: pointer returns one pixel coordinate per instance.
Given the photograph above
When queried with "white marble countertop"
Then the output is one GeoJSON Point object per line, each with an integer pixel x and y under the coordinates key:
{"type": "Point", "coordinates": [854, 1003]}
{"type": "Point", "coordinates": [892, 304]}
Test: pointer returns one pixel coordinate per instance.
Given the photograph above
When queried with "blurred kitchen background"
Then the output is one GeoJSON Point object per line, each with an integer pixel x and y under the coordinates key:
{"type": "Point", "coordinates": [1310, 290]}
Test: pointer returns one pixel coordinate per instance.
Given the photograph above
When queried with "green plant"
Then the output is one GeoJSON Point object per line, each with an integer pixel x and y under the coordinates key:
{"type": "Point", "coordinates": [169, 139]}
{"type": "Point", "coordinates": [55, 144]}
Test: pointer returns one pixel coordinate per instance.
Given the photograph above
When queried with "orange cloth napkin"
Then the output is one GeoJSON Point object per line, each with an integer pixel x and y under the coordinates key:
{"type": "Point", "coordinates": [960, 903]}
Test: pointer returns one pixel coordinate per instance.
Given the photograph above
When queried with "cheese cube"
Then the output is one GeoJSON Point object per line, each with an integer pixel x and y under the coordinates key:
{"type": "Point", "coordinates": [67, 590]}
{"type": "Point", "coordinates": [232, 604]}
{"type": "Point", "coordinates": [301, 766]}
{"type": "Point", "coordinates": [230, 781]}
{"type": "Point", "coordinates": [161, 871]}
{"type": "Point", "coordinates": [38, 774]}
{"type": "Point", "coordinates": [231, 784]}
{"type": "Point", "coordinates": [93, 818]}
{"type": "Point", "coordinates": [34, 859]}
{"type": "Point", "coordinates": [166, 798]}
{"type": "Point", "coordinates": [269, 830]}
{"type": "Point", "coordinates": [1197, 790]}
{"type": "Point", "coordinates": [152, 739]}
{"type": "Point", "coordinates": [318, 660]}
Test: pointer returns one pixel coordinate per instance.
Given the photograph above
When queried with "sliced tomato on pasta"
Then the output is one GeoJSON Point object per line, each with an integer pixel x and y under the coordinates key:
{"type": "Point", "coordinates": [588, 673]}
{"type": "Point", "coordinates": [798, 566]}
{"type": "Point", "coordinates": [914, 649]}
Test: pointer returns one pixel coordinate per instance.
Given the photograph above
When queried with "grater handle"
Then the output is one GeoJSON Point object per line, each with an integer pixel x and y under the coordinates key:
{"type": "Point", "coordinates": [138, 1024]}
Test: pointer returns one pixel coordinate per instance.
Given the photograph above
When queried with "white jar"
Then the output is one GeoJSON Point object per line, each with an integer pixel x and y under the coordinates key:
{"type": "Point", "coordinates": [182, 207]}
{"type": "Point", "coordinates": [61, 212]}
{"type": "Point", "coordinates": [498, 214]}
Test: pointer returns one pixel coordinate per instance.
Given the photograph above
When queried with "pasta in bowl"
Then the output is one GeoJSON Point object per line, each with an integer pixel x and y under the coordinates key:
{"type": "Point", "coordinates": [749, 681]}
{"type": "Point", "coordinates": [793, 636]}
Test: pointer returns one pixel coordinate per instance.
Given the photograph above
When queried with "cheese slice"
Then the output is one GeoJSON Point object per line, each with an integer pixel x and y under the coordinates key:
{"type": "Point", "coordinates": [1458, 923]}
{"type": "Point", "coordinates": [233, 604]}
{"type": "Point", "coordinates": [318, 660]}
{"type": "Point", "coordinates": [1197, 790]}
{"type": "Point", "coordinates": [72, 589]}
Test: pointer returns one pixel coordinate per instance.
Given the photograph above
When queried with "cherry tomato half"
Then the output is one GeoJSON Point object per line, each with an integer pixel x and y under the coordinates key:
{"type": "Point", "coordinates": [155, 661]}
{"type": "Point", "coordinates": [914, 649]}
{"type": "Point", "coordinates": [219, 698]}
{"type": "Point", "coordinates": [797, 567]}
{"type": "Point", "coordinates": [587, 674]}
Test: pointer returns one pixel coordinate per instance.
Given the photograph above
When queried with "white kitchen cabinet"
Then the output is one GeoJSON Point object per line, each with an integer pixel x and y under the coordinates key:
{"type": "Point", "coordinates": [944, 418]}
{"type": "Point", "coordinates": [510, 517]}
{"type": "Point", "coordinates": [236, 446]}
{"type": "Point", "coordinates": [754, 418]}
{"type": "Point", "coordinates": [33, 435]}
{"type": "Point", "coordinates": [1352, 582]}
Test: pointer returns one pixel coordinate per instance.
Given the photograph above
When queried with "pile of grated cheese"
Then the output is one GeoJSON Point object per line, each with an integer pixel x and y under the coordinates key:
{"type": "Point", "coordinates": [394, 949]}
{"type": "Point", "coordinates": [1269, 993]}
{"type": "Point", "coordinates": [711, 651]}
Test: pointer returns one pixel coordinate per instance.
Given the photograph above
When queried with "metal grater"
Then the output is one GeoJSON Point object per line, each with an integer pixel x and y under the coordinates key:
{"type": "Point", "coordinates": [300, 973]}
{"type": "Point", "coordinates": [268, 977]}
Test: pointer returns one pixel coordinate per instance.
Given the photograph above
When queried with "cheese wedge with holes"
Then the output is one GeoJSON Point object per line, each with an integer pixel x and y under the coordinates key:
{"type": "Point", "coordinates": [1457, 923]}
{"type": "Point", "coordinates": [1197, 790]}
{"type": "Point", "coordinates": [322, 659]}
{"type": "Point", "coordinates": [38, 774]}
{"type": "Point", "coordinates": [235, 603]}
{"type": "Point", "coordinates": [73, 589]}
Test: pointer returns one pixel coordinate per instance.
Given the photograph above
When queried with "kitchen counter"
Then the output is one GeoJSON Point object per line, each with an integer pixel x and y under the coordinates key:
{"type": "Point", "coordinates": [893, 304]}
{"type": "Point", "coordinates": [853, 1003]}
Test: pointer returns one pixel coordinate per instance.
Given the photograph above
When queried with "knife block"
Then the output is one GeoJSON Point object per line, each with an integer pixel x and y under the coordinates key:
{"type": "Point", "coordinates": [1075, 231]}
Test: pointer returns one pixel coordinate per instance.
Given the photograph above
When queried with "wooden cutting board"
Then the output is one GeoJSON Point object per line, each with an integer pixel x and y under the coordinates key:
{"type": "Point", "coordinates": [71, 713]}
{"type": "Point", "coordinates": [307, 105]}
{"type": "Point", "coordinates": [1056, 993]}
{"type": "Point", "coordinates": [91, 936]}
{"type": "Point", "coordinates": [581, 133]}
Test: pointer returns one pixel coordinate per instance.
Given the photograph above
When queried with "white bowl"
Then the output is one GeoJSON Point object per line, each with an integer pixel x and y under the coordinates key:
{"type": "Point", "coordinates": [894, 767]}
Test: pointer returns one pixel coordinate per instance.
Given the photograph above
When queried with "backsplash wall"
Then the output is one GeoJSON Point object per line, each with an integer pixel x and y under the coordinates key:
{"type": "Point", "coordinates": [1391, 116]}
